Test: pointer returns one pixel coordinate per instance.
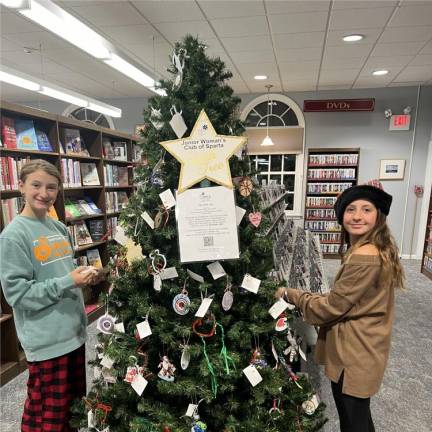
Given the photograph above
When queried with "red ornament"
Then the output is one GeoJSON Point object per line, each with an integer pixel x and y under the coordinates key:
{"type": "Point", "coordinates": [166, 429]}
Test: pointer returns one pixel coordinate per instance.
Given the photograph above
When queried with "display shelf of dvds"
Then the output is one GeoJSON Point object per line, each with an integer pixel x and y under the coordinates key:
{"type": "Point", "coordinates": [426, 267]}
{"type": "Point", "coordinates": [76, 148]}
{"type": "Point", "coordinates": [329, 172]}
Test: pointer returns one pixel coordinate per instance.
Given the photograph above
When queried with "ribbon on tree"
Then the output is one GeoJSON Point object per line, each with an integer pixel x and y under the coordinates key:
{"type": "Point", "coordinates": [224, 352]}
{"type": "Point", "coordinates": [210, 368]}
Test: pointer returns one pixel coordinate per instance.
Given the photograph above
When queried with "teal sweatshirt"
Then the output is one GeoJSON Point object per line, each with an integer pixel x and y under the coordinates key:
{"type": "Point", "coordinates": [36, 259]}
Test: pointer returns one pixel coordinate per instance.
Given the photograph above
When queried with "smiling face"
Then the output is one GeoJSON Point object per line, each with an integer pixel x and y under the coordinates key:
{"type": "Point", "coordinates": [40, 191]}
{"type": "Point", "coordinates": [359, 218]}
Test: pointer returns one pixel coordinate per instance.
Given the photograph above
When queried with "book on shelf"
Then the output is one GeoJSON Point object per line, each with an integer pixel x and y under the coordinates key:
{"type": "Point", "coordinates": [43, 141]}
{"type": "Point", "coordinates": [120, 150]}
{"type": "Point", "coordinates": [25, 134]}
{"type": "Point", "coordinates": [93, 206]}
{"type": "Point", "coordinates": [96, 229]}
{"type": "Point", "coordinates": [82, 234]}
{"type": "Point", "coordinates": [108, 150]}
{"type": "Point", "coordinates": [137, 153]}
{"type": "Point", "coordinates": [71, 210]}
{"type": "Point", "coordinates": [89, 174]}
{"type": "Point", "coordinates": [8, 133]}
{"type": "Point", "coordinates": [112, 223]}
{"type": "Point", "coordinates": [94, 258]}
{"type": "Point", "coordinates": [71, 173]}
{"type": "Point", "coordinates": [11, 207]}
{"type": "Point", "coordinates": [123, 176]}
{"type": "Point", "coordinates": [74, 143]}
{"type": "Point", "coordinates": [85, 207]}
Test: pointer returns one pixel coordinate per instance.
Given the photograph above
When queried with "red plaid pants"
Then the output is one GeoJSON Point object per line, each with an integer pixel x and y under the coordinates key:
{"type": "Point", "coordinates": [52, 386]}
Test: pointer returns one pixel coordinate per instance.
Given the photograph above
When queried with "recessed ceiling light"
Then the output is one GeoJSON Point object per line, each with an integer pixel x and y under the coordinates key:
{"type": "Point", "coordinates": [380, 72]}
{"type": "Point", "coordinates": [260, 77]}
{"type": "Point", "coordinates": [353, 38]}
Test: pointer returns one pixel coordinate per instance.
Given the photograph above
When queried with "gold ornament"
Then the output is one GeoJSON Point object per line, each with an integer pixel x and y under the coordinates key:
{"type": "Point", "coordinates": [204, 154]}
{"type": "Point", "coordinates": [245, 186]}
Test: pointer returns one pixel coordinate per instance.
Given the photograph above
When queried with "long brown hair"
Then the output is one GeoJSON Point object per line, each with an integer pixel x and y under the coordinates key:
{"type": "Point", "coordinates": [380, 236]}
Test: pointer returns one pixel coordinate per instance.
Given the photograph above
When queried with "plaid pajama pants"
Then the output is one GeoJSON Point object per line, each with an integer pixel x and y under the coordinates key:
{"type": "Point", "coordinates": [52, 386]}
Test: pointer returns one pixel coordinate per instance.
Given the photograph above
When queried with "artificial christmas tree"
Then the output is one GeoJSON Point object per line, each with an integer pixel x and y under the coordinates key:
{"type": "Point", "coordinates": [187, 342]}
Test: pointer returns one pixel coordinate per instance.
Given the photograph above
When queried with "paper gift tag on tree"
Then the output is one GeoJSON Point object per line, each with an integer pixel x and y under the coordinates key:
{"type": "Point", "coordinates": [133, 251]}
{"type": "Point", "coordinates": [177, 123]}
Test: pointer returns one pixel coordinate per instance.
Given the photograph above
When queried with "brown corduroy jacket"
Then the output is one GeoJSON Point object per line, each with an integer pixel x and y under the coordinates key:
{"type": "Point", "coordinates": [355, 321]}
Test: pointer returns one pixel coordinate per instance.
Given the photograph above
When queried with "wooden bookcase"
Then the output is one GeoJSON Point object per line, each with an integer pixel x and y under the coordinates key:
{"type": "Point", "coordinates": [12, 357]}
{"type": "Point", "coordinates": [426, 267]}
{"type": "Point", "coordinates": [329, 172]}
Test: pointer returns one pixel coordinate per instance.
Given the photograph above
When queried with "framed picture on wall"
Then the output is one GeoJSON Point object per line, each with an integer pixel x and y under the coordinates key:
{"type": "Point", "coordinates": [392, 169]}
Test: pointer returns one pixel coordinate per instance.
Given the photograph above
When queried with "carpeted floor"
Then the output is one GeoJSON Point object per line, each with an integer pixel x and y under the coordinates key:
{"type": "Point", "coordinates": [404, 401]}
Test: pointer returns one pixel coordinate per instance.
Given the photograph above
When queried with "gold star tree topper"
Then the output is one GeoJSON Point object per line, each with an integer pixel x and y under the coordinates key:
{"type": "Point", "coordinates": [204, 154]}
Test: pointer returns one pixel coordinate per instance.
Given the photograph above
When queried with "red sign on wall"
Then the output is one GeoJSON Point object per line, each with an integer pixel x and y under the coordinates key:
{"type": "Point", "coordinates": [335, 105]}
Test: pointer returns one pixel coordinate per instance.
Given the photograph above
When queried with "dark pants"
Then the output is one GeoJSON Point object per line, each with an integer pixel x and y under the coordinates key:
{"type": "Point", "coordinates": [354, 413]}
{"type": "Point", "coordinates": [52, 386]}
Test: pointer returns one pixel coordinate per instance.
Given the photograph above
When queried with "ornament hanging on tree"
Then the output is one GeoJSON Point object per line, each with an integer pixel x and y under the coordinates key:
{"type": "Point", "coordinates": [155, 118]}
{"type": "Point", "coordinates": [199, 426]}
{"type": "Point", "coordinates": [177, 122]}
{"type": "Point", "coordinates": [281, 323]}
{"type": "Point", "coordinates": [181, 303]}
{"type": "Point", "coordinates": [167, 369]}
{"type": "Point", "coordinates": [178, 61]}
{"type": "Point", "coordinates": [156, 175]}
{"type": "Point", "coordinates": [158, 264]}
{"type": "Point", "coordinates": [228, 297]}
{"type": "Point", "coordinates": [106, 323]}
{"type": "Point", "coordinates": [257, 360]}
{"type": "Point", "coordinates": [309, 406]}
{"type": "Point", "coordinates": [185, 357]}
{"type": "Point", "coordinates": [245, 186]}
{"type": "Point", "coordinates": [255, 218]}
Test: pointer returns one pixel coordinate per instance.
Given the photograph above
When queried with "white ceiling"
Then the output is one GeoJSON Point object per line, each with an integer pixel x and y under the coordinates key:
{"type": "Point", "coordinates": [297, 44]}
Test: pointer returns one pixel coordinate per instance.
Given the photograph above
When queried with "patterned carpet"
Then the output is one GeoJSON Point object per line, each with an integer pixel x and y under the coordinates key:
{"type": "Point", "coordinates": [404, 401]}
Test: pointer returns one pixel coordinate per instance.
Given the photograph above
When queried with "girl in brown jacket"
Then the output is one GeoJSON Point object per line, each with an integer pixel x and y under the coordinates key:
{"type": "Point", "coordinates": [356, 317]}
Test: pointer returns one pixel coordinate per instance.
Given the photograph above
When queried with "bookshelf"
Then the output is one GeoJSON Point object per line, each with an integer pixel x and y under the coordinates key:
{"type": "Point", "coordinates": [329, 172]}
{"type": "Point", "coordinates": [426, 267]}
{"type": "Point", "coordinates": [56, 128]}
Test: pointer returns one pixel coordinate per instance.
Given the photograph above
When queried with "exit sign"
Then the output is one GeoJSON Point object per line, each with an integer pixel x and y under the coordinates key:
{"type": "Point", "coordinates": [400, 122]}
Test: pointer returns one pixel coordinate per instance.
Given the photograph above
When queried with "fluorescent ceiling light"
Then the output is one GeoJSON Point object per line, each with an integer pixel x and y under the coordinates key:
{"type": "Point", "coordinates": [16, 4]}
{"type": "Point", "coordinates": [61, 95]}
{"type": "Point", "coordinates": [260, 77]}
{"type": "Point", "coordinates": [28, 82]}
{"type": "Point", "coordinates": [18, 81]}
{"type": "Point", "coordinates": [380, 72]}
{"type": "Point", "coordinates": [353, 38]}
{"type": "Point", "coordinates": [131, 71]}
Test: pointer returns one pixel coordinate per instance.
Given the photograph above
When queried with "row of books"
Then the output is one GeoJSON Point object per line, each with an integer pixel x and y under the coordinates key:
{"type": "Point", "coordinates": [86, 232]}
{"type": "Point", "coordinates": [76, 173]}
{"type": "Point", "coordinates": [329, 237]}
{"type": "Point", "coordinates": [332, 174]}
{"type": "Point", "coordinates": [10, 168]}
{"type": "Point", "coordinates": [116, 201]}
{"type": "Point", "coordinates": [322, 225]}
{"type": "Point", "coordinates": [333, 159]}
{"type": "Point", "coordinates": [116, 150]}
{"type": "Point", "coordinates": [112, 223]}
{"type": "Point", "coordinates": [73, 143]}
{"type": "Point", "coordinates": [427, 263]}
{"type": "Point", "coordinates": [91, 257]}
{"type": "Point", "coordinates": [116, 175]}
{"type": "Point", "coordinates": [327, 187]}
{"type": "Point", "coordinates": [22, 134]}
{"type": "Point", "coordinates": [76, 208]}
{"type": "Point", "coordinates": [320, 214]}
{"type": "Point", "coordinates": [320, 201]}
{"type": "Point", "coordinates": [329, 248]}
{"type": "Point", "coordinates": [10, 208]}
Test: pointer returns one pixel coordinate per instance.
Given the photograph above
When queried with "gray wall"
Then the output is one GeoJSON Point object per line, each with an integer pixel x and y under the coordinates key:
{"type": "Point", "coordinates": [367, 130]}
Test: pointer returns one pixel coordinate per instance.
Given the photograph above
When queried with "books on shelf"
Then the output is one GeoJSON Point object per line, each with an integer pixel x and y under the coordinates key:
{"type": "Point", "coordinates": [137, 153]}
{"type": "Point", "coordinates": [71, 173]}
{"type": "Point", "coordinates": [8, 133]}
{"type": "Point", "coordinates": [333, 159]}
{"type": "Point", "coordinates": [43, 141]}
{"type": "Point", "coordinates": [116, 175]}
{"type": "Point", "coordinates": [76, 208]}
{"type": "Point", "coordinates": [120, 150]}
{"type": "Point", "coordinates": [25, 135]}
{"type": "Point", "coordinates": [10, 168]}
{"type": "Point", "coordinates": [108, 150]}
{"type": "Point", "coordinates": [74, 144]}
{"type": "Point", "coordinates": [11, 208]}
{"type": "Point", "coordinates": [89, 174]}
{"type": "Point", "coordinates": [82, 234]}
{"type": "Point", "coordinates": [331, 174]}
{"type": "Point", "coordinates": [116, 201]}
{"type": "Point", "coordinates": [323, 188]}
{"type": "Point", "coordinates": [93, 258]}
{"type": "Point", "coordinates": [112, 223]}
{"type": "Point", "coordinates": [95, 209]}
{"type": "Point", "coordinates": [96, 229]}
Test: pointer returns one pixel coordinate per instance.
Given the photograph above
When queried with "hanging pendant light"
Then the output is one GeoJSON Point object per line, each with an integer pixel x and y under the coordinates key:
{"type": "Point", "coordinates": [267, 141]}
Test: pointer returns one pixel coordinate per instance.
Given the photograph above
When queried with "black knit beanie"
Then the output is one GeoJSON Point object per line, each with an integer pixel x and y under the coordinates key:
{"type": "Point", "coordinates": [380, 199]}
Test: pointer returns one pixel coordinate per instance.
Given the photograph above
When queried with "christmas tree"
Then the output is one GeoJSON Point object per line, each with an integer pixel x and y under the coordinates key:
{"type": "Point", "coordinates": [193, 346]}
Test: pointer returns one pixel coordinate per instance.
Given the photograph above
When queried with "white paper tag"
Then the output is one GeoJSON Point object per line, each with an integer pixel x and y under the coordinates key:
{"type": "Point", "coordinates": [316, 400]}
{"type": "Point", "coordinates": [202, 310]}
{"type": "Point", "coordinates": [119, 327]}
{"type": "Point", "coordinates": [178, 125]}
{"type": "Point", "coordinates": [120, 236]}
{"type": "Point", "coordinates": [139, 383]}
{"type": "Point", "coordinates": [167, 198]}
{"type": "Point", "coordinates": [91, 421]}
{"type": "Point", "coordinates": [157, 282]}
{"type": "Point", "coordinates": [216, 270]}
{"type": "Point", "coordinates": [302, 354]}
{"type": "Point", "coordinates": [144, 329]}
{"type": "Point", "coordinates": [240, 212]}
{"type": "Point", "coordinates": [107, 362]}
{"type": "Point", "coordinates": [191, 410]}
{"type": "Point", "coordinates": [278, 308]}
{"type": "Point", "coordinates": [97, 373]}
{"type": "Point", "coordinates": [252, 375]}
{"type": "Point", "coordinates": [195, 276]}
{"type": "Point", "coordinates": [290, 306]}
{"type": "Point", "coordinates": [168, 273]}
{"type": "Point", "coordinates": [250, 283]}
{"type": "Point", "coordinates": [148, 219]}
{"type": "Point", "coordinates": [108, 376]}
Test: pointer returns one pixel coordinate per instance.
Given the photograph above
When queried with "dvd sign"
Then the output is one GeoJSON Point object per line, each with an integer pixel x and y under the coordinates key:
{"type": "Point", "coordinates": [338, 105]}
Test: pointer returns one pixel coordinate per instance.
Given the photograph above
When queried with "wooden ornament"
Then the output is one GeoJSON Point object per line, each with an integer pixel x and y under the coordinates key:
{"type": "Point", "coordinates": [255, 219]}
{"type": "Point", "coordinates": [245, 186]}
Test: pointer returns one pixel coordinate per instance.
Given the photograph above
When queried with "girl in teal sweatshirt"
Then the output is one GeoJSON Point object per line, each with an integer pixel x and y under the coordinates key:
{"type": "Point", "coordinates": [42, 286]}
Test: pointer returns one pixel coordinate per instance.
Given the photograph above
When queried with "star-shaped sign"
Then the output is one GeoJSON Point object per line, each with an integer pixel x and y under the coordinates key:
{"type": "Point", "coordinates": [204, 154]}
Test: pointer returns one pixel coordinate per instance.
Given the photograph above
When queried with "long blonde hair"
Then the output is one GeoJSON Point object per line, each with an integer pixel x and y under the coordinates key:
{"type": "Point", "coordinates": [380, 236]}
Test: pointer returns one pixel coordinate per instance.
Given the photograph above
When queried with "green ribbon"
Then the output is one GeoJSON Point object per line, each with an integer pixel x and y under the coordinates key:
{"type": "Point", "coordinates": [224, 352]}
{"type": "Point", "coordinates": [211, 369]}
